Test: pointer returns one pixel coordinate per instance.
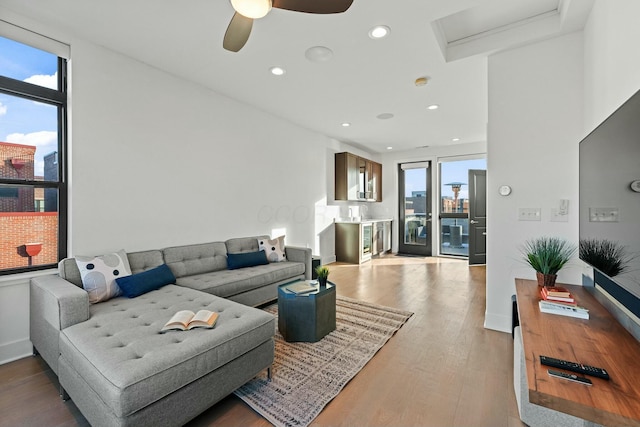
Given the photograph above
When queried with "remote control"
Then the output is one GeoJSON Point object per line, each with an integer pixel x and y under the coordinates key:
{"type": "Point", "coordinates": [574, 367]}
{"type": "Point", "coordinates": [570, 377]}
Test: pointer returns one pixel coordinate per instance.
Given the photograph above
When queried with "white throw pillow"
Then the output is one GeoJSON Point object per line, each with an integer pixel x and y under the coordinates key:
{"type": "Point", "coordinates": [274, 248]}
{"type": "Point", "coordinates": [99, 274]}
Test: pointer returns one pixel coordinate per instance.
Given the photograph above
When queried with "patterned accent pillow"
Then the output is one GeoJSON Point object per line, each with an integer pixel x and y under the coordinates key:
{"type": "Point", "coordinates": [274, 248]}
{"type": "Point", "coordinates": [99, 274]}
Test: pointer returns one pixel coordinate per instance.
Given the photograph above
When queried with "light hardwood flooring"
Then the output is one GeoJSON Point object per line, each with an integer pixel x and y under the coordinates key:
{"type": "Point", "coordinates": [442, 368]}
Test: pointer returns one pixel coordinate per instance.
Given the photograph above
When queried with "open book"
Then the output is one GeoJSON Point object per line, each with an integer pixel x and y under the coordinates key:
{"type": "Point", "coordinates": [186, 319]}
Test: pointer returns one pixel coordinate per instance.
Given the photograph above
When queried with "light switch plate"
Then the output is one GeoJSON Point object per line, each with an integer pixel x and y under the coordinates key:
{"type": "Point", "coordinates": [558, 216]}
{"type": "Point", "coordinates": [603, 214]}
{"type": "Point", "coordinates": [529, 214]}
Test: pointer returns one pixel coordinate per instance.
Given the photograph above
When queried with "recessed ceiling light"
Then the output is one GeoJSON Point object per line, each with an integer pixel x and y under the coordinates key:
{"type": "Point", "coordinates": [433, 107]}
{"type": "Point", "coordinates": [389, 148]}
{"type": "Point", "coordinates": [346, 124]}
{"type": "Point", "coordinates": [455, 139]}
{"type": "Point", "coordinates": [379, 31]}
{"type": "Point", "coordinates": [318, 54]}
{"type": "Point", "coordinates": [385, 116]}
{"type": "Point", "coordinates": [277, 71]}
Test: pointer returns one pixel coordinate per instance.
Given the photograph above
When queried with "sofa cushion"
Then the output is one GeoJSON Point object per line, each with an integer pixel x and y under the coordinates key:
{"type": "Point", "coordinates": [246, 259]}
{"type": "Point", "coordinates": [196, 259]}
{"type": "Point", "coordinates": [145, 281]}
{"type": "Point", "coordinates": [145, 260]}
{"type": "Point", "coordinates": [99, 274]}
{"type": "Point", "coordinates": [228, 283]}
{"type": "Point", "coordinates": [273, 248]}
{"type": "Point", "coordinates": [121, 355]}
{"type": "Point", "coordinates": [243, 244]}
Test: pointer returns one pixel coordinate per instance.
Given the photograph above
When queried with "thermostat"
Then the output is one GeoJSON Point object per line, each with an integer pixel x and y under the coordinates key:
{"type": "Point", "coordinates": [635, 185]}
{"type": "Point", "coordinates": [504, 190]}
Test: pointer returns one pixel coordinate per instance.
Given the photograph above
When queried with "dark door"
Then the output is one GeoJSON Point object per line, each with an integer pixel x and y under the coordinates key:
{"type": "Point", "coordinates": [414, 181]}
{"type": "Point", "coordinates": [477, 216]}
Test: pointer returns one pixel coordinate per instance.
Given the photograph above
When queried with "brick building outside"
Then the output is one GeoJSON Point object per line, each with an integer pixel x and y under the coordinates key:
{"type": "Point", "coordinates": [22, 226]}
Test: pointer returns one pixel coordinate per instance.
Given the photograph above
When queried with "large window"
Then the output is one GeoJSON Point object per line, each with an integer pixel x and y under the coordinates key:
{"type": "Point", "coordinates": [32, 157]}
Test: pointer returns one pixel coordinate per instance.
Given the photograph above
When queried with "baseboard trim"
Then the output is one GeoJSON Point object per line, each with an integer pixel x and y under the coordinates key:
{"type": "Point", "coordinates": [15, 350]}
{"type": "Point", "coordinates": [497, 322]}
{"type": "Point", "coordinates": [328, 260]}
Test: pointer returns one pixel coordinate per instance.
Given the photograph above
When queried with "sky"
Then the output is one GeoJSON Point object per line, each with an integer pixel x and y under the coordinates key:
{"type": "Point", "coordinates": [457, 171]}
{"type": "Point", "coordinates": [23, 121]}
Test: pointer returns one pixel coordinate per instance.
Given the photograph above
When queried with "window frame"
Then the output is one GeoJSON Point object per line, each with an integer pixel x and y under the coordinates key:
{"type": "Point", "coordinates": [57, 98]}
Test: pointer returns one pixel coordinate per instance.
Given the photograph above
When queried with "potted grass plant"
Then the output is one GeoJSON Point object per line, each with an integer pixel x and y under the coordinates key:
{"type": "Point", "coordinates": [322, 273]}
{"type": "Point", "coordinates": [547, 255]}
{"type": "Point", "coordinates": [609, 257]}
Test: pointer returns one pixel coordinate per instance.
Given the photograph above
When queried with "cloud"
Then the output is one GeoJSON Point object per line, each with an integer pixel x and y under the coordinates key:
{"type": "Point", "coordinates": [39, 139]}
{"type": "Point", "coordinates": [3, 109]}
{"type": "Point", "coordinates": [44, 80]}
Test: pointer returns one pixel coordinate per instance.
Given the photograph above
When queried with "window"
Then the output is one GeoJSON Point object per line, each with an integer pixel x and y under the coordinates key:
{"type": "Point", "coordinates": [33, 189]}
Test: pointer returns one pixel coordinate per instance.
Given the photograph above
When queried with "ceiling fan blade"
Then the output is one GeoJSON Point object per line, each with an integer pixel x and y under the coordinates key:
{"type": "Point", "coordinates": [237, 32]}
{"type": "Point", "coordinates": [314, 6]}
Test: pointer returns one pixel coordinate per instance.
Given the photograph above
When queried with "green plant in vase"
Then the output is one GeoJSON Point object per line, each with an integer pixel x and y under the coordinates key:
{"type": "Point", "coordinates": [322, 273]}
{"type": "Point", "coordinates": [547, 255]}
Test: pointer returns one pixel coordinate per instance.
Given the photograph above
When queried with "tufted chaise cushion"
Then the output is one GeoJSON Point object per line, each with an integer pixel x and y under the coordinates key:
{"type": "Point", "coordinates": [196, 259]}
{"type": "Point", "coordinates": [227, 283]}
{"type": "Point", "coordinates": [120, 354]}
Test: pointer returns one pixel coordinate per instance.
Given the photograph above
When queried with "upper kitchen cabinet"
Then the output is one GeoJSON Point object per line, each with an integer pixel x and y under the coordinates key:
{"type": "Point", "coordinates": [357, 178]}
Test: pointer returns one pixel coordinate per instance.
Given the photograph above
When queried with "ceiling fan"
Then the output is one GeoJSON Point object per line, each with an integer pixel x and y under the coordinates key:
{"type": "Point", "coordinates": [247, 10]}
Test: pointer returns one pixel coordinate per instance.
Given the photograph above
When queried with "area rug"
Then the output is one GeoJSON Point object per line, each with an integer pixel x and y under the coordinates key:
{"type": "Point", "coordinates": [306, 376]}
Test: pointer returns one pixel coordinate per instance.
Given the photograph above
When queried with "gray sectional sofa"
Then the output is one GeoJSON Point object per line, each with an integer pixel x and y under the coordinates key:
{"type": "Point", "coordinates": [119, 370]}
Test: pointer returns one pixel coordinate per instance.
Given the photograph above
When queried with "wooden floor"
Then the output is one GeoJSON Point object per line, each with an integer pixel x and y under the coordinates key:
{"type": "Point", "coordinates": [442, 368]}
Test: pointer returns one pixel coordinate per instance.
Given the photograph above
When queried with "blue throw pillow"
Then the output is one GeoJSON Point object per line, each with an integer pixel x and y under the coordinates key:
{"type": "Point", "coordinates": [246, 259]}
{"type": "Point", "coordinates": [141, 283]}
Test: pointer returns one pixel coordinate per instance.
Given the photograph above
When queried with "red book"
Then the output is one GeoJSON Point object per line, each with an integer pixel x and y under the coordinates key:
{"type": "Point", "coordinates": [565, 300]}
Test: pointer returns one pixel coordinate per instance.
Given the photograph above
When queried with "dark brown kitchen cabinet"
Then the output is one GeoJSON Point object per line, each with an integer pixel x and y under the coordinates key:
{"type": "Point", "coordinates": [357, 178]}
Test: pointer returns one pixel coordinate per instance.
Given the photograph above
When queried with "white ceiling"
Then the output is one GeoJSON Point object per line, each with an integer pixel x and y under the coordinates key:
{"type": "Point", "coordinates": [446, 40]}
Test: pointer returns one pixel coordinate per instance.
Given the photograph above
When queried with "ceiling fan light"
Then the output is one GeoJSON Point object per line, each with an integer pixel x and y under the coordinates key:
{"type": "Point", "coordinates": [252, 8]}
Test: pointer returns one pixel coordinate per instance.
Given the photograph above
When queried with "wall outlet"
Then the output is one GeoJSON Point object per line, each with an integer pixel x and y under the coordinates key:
{"type": "Point", "coordinates": [529, 214]}
{"type": "Point", "coordinates": [603, 214]}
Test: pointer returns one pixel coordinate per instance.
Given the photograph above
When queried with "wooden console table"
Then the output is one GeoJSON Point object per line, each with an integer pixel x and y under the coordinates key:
{"type": "Point", "coordinates": [600, 341]}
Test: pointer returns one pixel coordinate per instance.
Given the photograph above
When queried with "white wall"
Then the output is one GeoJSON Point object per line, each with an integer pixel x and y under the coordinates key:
{"type": "Point", "coordinates": [159, 161]}
{"type": "Point", "coordinates": [535, 124]}
{"type": "Point", "coordinates": [612, 62]}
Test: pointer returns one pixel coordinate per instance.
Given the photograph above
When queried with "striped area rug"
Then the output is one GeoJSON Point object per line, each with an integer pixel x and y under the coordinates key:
{"type": "Point", "coordinates": [306, 376]}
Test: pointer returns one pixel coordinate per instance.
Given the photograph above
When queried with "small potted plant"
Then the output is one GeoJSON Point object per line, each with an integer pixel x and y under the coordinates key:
{"type": "Point", "coordinates": [547, 255]}
{"type": "Point", "coordinates": [323, 273]}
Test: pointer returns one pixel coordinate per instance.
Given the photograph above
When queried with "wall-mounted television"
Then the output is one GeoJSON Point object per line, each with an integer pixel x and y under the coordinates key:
{"type": "Point", "coordinates": [610, 204]}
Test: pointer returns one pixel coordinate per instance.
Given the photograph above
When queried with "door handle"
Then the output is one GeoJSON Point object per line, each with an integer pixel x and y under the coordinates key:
{"type": "Point", "coordinates": [484, 233]}
{"type": "Point", "coordinates": [474, 221]}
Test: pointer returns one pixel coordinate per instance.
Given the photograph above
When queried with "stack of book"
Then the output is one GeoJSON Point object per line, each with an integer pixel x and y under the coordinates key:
{"type": "Point", "coordinates": [557, 294]}
{"type": "Point", "coordinates": [560, 301]}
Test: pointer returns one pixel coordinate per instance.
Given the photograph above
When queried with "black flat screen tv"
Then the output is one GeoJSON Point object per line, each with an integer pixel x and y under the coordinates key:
{"type": "Point", "coordinates": [610, 204]}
